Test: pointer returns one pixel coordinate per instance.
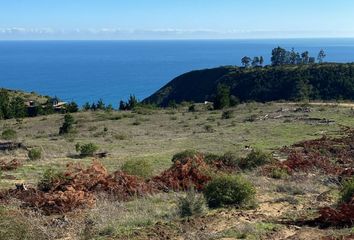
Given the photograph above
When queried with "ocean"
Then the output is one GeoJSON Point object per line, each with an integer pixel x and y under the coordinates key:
{"type": "Point", "coordinates": [84, 71]}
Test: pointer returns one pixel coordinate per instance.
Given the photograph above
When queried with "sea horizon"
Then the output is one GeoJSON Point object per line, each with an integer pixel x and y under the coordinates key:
{"type": "Point", "coordinates": [88, 70]}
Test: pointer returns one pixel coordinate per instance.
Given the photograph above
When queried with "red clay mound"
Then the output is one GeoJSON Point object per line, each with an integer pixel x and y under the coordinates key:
{"type": "Point", "coordinates": [191, 172]}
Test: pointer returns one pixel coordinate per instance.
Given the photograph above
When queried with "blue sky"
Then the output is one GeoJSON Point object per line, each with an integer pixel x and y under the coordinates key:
{"type": "Point", "coordinates": [175, 19]}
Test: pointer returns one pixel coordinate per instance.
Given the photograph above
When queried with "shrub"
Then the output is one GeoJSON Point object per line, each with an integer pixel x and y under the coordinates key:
{"type": "Point", "coordinates": [254, 159]}
{"type": "Point", "coordinates": [192, 108]}
{"type": "Point", "coordinates": [251, 118]}
{"type": "Point", "coordinates": [279, 173]}
{"type": "Point", "coordinates": [9, 134]}
{"type": "Point", "coordinates": [289, 189]}
{"type": "Point", "coordinates": [227, 114]}
{"type": "Point", "coordinates": [85, 150]}
{"type": "Point", "coordinates": [210, 158]}
{"type": "Point", "coordinates": [347, 193]}
{"type": "Point", "coordinates": [141, 168]}
{"type": "Point", "coordinates": [183, 155]}
{"type": "Point", "coordinates": [67, 125]}
{"type": "Point", "coordinates": [72, 107]}
{"type": "Point", "coordinates": [35, 154]}
{"type": "Point", "coordinates": [229, 190]}
{"type": "Point", "coordinates": [222, 99]}
{"type": "Point", "coordinates": [230, 159]}
{"type": "Point", "coordinates": [50, 176]}
{"type": "Point", "coordinates": [209, 128]}
{"type": "Point", "coordinates": [192, 204]}
{"type": "Point", "coordinates": [137, 122]}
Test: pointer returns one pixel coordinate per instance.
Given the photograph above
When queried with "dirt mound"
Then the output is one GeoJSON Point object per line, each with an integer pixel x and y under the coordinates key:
{"type": "Point", "coordinates": [186, 173]}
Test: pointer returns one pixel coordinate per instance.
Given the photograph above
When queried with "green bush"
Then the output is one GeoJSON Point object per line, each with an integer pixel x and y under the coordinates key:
{"type": "Point", "coordinates": [227, 114]}
{"type": "Point", "coordinates": [192, 204]}
{"type": "Point", "coordinates": [67, 125]}
{"type": "Point", "coordinates": [229, 190]}
{"type": "Point", "coordinates": [9, 134]}
{"type": "Point", "coordinates": [347, 193]}
{"type": "Point", "coordinates": [229, 159]}
{"type": "Point", "coordinates": [183, 155]}
{"type": "Point", "coordinates": [141, 168]}
{"type": "Point", "coordinates": [209, 158]}
{"type": "Point", "coordinates": [279, 173]}
{"type": "Point", "coordinates": [35, 154]}
{"type": "Point", "coordinates": [192, 108]}
{"type": "Point", "coordinates": [255, 159]}
{"type": "Point", "coordinates": [209, 128]}
{"type": "Point", "coordinates": [86, 150]}
{"type": "Point", "coordinates": [290, 189]}
{"type": "Point", "coordinates": [49, 177]}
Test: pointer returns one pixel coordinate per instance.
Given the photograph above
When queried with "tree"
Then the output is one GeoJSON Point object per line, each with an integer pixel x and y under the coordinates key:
{"type": "Point", "coordinates": [246, 61]}
{"type": "Point", "coordinates": [261, 60]}
{"type": "Point", "coordinates": [298, 59]}
{"type": "Point", "coordinates": [4, 104]}
{"type": "Point", "coordinates": [93, 107]}
{"type": "Point", "coordinates": [72, 107]}
{"type": "Point", "coordinates": [100, 105]}
{"type": "Point", "coordinates": [17, 108]}
{"type": "Point", "coordinates": [293, 56]}
{"type": "Point", "coordinates": [278, 56]}
{"type": "Point", "coordinates": [305, 57]}
{"type": "Point", "coordinates": [321, 56]}
{"type": "Point", "coordinates": [255, 62]}
{"type": "Point", "coordinates": [222, 98]}
{"type": "Point", "coordinates": [312, 60]}
{"type": "Point", "coordinates": [86, 106]}
{"type": "Point", "coordinates": [132, 102]}
{"type": "Point", "coordinates": [122, 105]}
{"type": "Point", "coordinates": [67, 125]}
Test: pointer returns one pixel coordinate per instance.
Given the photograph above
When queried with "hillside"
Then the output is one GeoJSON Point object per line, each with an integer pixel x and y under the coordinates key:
{"type": "Point", "coordinates": [26, 96]}
{"type": "Point", "coordinates": [143, 142]}
{"type": "Point", "coordinates": [330, 81]}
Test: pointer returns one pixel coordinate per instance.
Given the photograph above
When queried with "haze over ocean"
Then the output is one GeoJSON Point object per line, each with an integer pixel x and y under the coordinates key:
{"type": "Point", "coordinates": [89, 70]}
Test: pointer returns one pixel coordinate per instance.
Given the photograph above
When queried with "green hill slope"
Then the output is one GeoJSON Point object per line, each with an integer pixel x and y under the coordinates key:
{"type": "Point", "coordinates": [330, 81]}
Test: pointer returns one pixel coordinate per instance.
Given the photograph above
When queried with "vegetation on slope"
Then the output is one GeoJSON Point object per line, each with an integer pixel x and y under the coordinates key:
{"type": "Point", "coordinates": [327, 81]}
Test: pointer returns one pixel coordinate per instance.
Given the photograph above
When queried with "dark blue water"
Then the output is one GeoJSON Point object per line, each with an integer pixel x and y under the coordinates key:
{"type": "Point", "coordinates": [111, 70]}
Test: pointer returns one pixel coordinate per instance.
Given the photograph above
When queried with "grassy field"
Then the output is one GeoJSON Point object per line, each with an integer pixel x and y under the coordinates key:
{"type": "Point", "coordinates": [155, 136]}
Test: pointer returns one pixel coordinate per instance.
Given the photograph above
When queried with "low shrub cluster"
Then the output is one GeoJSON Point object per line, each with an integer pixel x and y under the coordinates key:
{"type": "Point", "coordinates": [229, 190]}
{"type": "Point", "coordinates": [192, 204]}
{"type": "Point", "coordinates": [86, 150]}
{"type": "Point", "coordinates": [141, 168]}
{"type": "Point", "coordinates": [35, 154]}
{"type": "Point", "coordinates": [8, 134]}
{"type": "Point", "coordinates": [67, 124]}
{"type": "Point", "coordinates": [230, 161]}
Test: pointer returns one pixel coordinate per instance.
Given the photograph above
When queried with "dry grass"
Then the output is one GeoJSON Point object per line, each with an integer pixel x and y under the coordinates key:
{"type": "Point", "coordinates": [155, 137]}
